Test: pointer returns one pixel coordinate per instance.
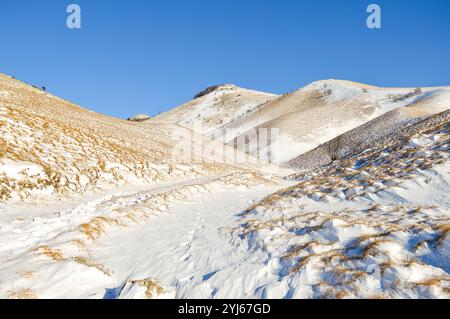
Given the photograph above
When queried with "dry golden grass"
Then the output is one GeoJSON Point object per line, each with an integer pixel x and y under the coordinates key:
{"type": "Point", "coordinates": [96, 227]}
{"type": "Point", "coordinates": [303, 262]}
{"type": "Point", "coordinates": [341, 294]}
{"type": "Point", "coordinates": [84, 146]}
{"type": "Point", "coordinates": [26, 274]}
{"type": "Point", "coordinates": [80, 244]}
{"type": "Point", "coordinates": [444, 231]}
{"type": "Point", "coordinates": [441, 282]}
{"type": "Point", "coordinates": [385, 220]}
{"type": "Point", "coordinates": [326, 291]}
{"type": "Point", "coordinates": [53, 254]}
{"type": "Point", "coordinates": [153, 288]}
{"type": "Point", "coordinates": [141, 211]}
{"type": "Point", "coordinates": [400, 164]}
{"type": "Point", "coordinates": [24, 293]}
{"type": "Point", "coordinates": [296, 250]}
{"type": "Point", "coordinates": [89, 263]}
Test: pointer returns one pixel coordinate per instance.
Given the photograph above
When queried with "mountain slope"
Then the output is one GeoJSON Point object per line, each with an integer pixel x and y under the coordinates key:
{"type": "Point", "coordinates": [70, 177]}
{"type": "Point", "coordinates": [304, 119]}
{"type": "Point", "coordinates": [323, 110]}
{"type": "Point", "coordinates": [97, 207]}
{"type": "Point", "coordinates": [52, 147]}
{"type": "Point", "coordinates": [390, 125]}
{"type": "Point", "coordinates": [215, 107]}
{"type": "Point", "coordinates": [374, 225]}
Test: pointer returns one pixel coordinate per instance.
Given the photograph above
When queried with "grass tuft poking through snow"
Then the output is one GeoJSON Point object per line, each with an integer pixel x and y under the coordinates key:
{"type": "Point", "coordinates": [373, 225]}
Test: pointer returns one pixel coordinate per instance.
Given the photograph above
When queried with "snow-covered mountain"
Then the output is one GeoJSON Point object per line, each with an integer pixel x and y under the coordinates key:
{"type": "Point", "coordinates": [305, 118]}
{"type": "Point", "coordinates": [323, 110]}
{"type": "Point", "coordinates": [96, 207]}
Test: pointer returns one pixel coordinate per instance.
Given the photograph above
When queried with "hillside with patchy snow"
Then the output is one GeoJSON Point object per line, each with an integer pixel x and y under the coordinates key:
{"type": "Point", "coordinates": [323, 110]}
{"type": "Point", "coordinates": [305, 118]}
{"type": "Point", "coordinates": [97, 207]}
{"type": "Point", "coordinates": [49, 146]}
{"type": "Point", "coordinates": [390, 125]}
{"type": "Point", "coordinates": [216, 107]}
{"type": "Point", "coordinates": [68, 176]}
{"type": "Point", "coordinates": [373, 225]}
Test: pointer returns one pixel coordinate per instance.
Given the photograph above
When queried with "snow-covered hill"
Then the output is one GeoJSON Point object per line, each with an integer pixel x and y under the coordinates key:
{"type": "Point", "coordinates": [375, 225]}
{"type": "Point", "coordinates": [390, 125]}
{"type": "Point", "coordinates": [326, 109]}
{"type": "Point", "coordinates": [49, 146]}
{"type": "Point", "coordinates": [216, 107]}
{"type": "Point", "coordinates": [305, 118]}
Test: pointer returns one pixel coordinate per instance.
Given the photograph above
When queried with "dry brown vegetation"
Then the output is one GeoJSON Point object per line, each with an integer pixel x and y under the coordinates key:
{"type": "Point", "coordinates": [24, 293]}
{"type": "Point", "coordinates": [53, 254]}
{"type": "Point", "coordinates": [89, 263]}
{"type": "Point", "coordinates": [371, 172]}
{"type": "Point", "coordinates": [78, 150]}
{"type": "Point", "coordinates": [343, 265]}
{"type": "Point", "coordinates": [96, 227]}
{"type": "Point", "coordinates": [153, 288]}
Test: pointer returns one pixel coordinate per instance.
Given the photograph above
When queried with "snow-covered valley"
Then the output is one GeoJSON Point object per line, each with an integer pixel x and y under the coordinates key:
{"type": "Point", "coordinates": [97, 207]}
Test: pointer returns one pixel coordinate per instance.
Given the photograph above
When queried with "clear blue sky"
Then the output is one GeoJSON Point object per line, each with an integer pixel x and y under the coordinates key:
{"type": "Point", "coordinates": [151, 55]}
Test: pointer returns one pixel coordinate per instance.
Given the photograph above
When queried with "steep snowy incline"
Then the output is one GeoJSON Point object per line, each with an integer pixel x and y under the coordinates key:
{"type": "Point", "coordinates": [70, 177]}
{"type": "Point", "coordinates": [50, 148]}
{"type": "Point", "coordinates": [326, 109]}
{"type": "Point", "coordinates": [305, 118]}
{"type": "Point", "coordinates": [390, 125]}
{"type": "Point", "coordinates": [95, 207]}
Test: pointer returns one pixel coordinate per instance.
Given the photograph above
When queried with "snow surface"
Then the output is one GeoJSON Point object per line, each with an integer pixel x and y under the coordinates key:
{"type": "Point", "coordinates": [188, 249]}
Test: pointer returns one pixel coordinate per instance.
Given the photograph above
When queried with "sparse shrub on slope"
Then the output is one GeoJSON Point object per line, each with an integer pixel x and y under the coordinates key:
{"type": "Point", "coordinates": [334, 147]}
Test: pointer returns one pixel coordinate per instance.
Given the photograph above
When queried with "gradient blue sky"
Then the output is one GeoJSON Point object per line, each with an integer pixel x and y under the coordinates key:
{"type": "Point", "coordinates": [149, 56]}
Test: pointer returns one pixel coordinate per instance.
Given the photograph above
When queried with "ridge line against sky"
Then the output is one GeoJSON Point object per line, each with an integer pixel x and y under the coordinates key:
{"type": "Point", "coordinates": [135, 56]}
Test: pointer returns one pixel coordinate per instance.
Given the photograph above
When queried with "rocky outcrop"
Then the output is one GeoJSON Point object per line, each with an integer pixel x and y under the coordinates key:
{"type": "Point", "coordinates": [211, 89]}
{"type": "Point", "coordinates": [139, 118]}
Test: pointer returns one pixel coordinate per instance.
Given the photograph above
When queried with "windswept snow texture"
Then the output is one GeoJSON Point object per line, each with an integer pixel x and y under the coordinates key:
{"type": "Point", "coordinates": [95, 207]}
{"type": "Point", "coordinates": [375, 225]}
{"type": "Point", "coordinates": [164, 242]}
